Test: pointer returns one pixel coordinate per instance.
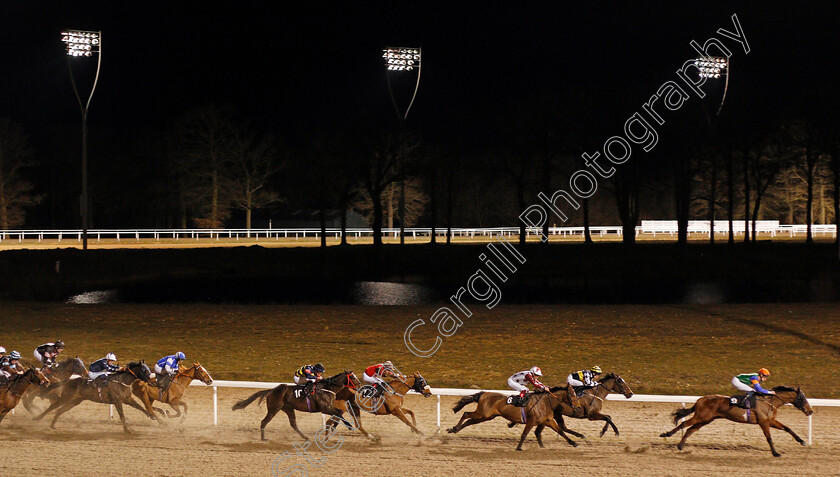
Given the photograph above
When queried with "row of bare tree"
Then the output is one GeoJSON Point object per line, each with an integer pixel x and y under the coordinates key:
{"type": "Point", "coordinates": [214, 164]}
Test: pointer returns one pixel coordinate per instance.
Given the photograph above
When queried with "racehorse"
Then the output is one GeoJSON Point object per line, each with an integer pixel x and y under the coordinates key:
{"type": "Point", "coordinates": [61, 372]}
{"type": "Point", "coordinates": [116, 391]}
{"type": "Point", "coordinates": [709, 408]}
{"type": "Point", "coordinates": [291, 398]}
{"type": "Point", "coordinates": [591, 400]}
{"type": "Point", "coordinates": [385, 404]}
{"type": "Point", "coordinates": [11, 392]}
{"type": "Point", "coordinates": [172, 395]}
{"type": "Point", "coordinates": [539, 410]}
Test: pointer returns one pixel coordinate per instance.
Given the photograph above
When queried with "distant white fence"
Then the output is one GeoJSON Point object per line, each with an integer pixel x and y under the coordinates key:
{"type": "Point", "coordinates": [438, 392]}
{"type": "Point", "coordinates": [651, 227]}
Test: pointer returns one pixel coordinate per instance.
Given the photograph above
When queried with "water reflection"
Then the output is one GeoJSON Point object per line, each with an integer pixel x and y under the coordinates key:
{"type": "Point", "coordinates": [96, 297]}
{"type": "Point", "coordinates": [390, 293]}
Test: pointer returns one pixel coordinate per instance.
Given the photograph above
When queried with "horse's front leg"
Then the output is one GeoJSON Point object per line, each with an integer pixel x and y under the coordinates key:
{"type": "Point", "coordinates": [765, 427]}
{"type": "Point", "coordinates": [398, 411]}
{"type": "Point", "coordinates": [778, 425]}
{"type": "Point", "coordinates": [597, 416]}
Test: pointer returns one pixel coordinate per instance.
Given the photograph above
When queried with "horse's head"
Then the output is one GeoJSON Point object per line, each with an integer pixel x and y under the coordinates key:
{"type": "Point", "coordinates": [352, 381]}
{"type": "Point", "coordinates": [421, 386]}
{"type": "Point", "coordinates": [615, 383]}
{"type": "Point", "coordinates": [794, 396]}
{"type": "Point", "coordinates": [201, 373]}
{"type": "Point", "coordinates": [36, 377]}
{"type": "Point", "coordinates": [78, 366]}
{"type": "Point", "coordinates": [140, 370]}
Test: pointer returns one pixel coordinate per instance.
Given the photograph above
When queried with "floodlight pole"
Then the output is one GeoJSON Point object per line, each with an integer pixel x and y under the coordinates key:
{"type": "Point", "coordinates": [84, 109]}
{"type": "Point", "coordinates": [401, 118]}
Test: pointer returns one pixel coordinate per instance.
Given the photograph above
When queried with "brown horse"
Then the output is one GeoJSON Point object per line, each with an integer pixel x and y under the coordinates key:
{"type": "Point", "coordinates": [291, 398]}
{"type": "Point", "coordinates": [388, 403]}
{"type": "Point", "coordinates": [539, 411]}
{"type": "Point", "coordinates": [59, 373]}
{"type": "Point", "coordinates": [591, 400]}
{"type": "Point", "coordinates": [709, 408]}
{"type": "Point", "coordinates": [116, 391]}
{"type": "Point", "coordinates": [14, 388]}
{"type": "Point", "coordinates": [148, 394]}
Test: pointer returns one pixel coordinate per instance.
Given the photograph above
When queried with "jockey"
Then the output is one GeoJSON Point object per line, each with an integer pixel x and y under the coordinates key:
{"type": "Point", "coordinates": [167, 367]}
{"type": "Point", "coordinates": [103, 366]}
{"type": "Point", "coordinates": [169, 364]}
{"type": "Point", "coordinates": [48, 352]}
{"type": "Point", "coordinates": [308, 375]}
{"type": "Point", "coordinates": [751, 383]}
{"type": "Point", "coordinates": [580, 381]}
{"type": "Point", "coordinates": [374, 374]}
{"type": "Point", "coordinates": [10, 365]}
{"type": "Point", "coordinates": [2, 352]}
{"type": "Point", "coordinates": [518, 381]}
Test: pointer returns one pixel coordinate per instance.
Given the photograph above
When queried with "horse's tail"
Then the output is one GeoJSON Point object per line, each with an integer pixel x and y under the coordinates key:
{"type": "Point", "coordinates": [245, 402]}
{"type": "Point", "coordinates": [467, 400]}
{"type": "Point", "coordinates": [681, 413]}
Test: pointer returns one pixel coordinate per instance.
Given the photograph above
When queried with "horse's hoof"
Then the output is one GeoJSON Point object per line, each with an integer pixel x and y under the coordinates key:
{"type": "Point", "coordinates": [574, 444]}
{"type": "Point", "coordinates": [776, 454]}
{"type": "Point", "coordinates": [511, 424]}
{"type": "Point", "coordinates": [519, 448]}
{"type": "Point", "coordinates": [451, 430]}
{"type": "Point", "coordinates": [802, 443]}
{"type": "Point", "coordinates": [664, 434]}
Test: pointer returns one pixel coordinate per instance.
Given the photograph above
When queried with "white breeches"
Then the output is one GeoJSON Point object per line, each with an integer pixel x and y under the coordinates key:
{"type": "Point", "coordinates": [38, 356]}
{"type": "Point", "coordinates": [573, 382]}
{"type": "Point", "coordinates": [516, 386]}
{"type": "Point", "coordinates": [373, 379]}
{"type": "Point", "coordinates": [94, 375]}
{"type": "Point", "coordinates": [741, 386]}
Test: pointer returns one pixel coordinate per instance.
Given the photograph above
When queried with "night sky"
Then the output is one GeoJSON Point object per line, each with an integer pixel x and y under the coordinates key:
{"type": "Point", "coordinates": [297, 69]}
{"type": "Point", "coordinates": [302, 72]}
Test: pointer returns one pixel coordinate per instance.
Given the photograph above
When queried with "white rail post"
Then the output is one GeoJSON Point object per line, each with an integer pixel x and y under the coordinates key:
{"type": "Point", "coordinates": [110, 411]}
{"type": "Point", "coordinates": [215, 405]}
{"type": "Point", "coordinates": [809, 429]}
{"type": "Point", "coordinates": [438, 413]}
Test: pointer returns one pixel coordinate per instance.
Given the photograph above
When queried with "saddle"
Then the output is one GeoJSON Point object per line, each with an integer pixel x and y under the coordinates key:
{"type": "Point", "coordinates": [743, 401]}
{"type": "Point", "coordinates": [518, 401]}
{"type": "Point", "coordinates": [304, 390]}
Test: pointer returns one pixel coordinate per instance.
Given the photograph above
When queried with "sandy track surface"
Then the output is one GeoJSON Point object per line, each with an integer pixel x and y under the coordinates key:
{"type": "Point", "coordinates": [87, 443]}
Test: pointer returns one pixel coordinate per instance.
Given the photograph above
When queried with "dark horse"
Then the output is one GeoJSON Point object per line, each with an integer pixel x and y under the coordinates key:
{"type": "Point", "coordinates": [709, 408]}
{"type": "Point", "coordinates": [116, 391]}
{"type": "Point", "coordinates": [290, 398]}
{"type": "Point", "coordinates": [61, 372]}
{"type": "Point", "coordinates": [12, 390]}
{"type": "Point", "coordinates": [591, 400]}
{"type": "Point", "coordinates": [539, 411]}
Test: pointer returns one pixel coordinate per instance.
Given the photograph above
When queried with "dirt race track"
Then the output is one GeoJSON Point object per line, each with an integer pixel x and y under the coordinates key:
{"type": "Point", "coordinates": [86, 443]}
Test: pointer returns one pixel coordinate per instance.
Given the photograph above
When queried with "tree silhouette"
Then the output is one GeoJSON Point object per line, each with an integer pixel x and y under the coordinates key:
{"type": "Point", "coordinates": [15, 192]}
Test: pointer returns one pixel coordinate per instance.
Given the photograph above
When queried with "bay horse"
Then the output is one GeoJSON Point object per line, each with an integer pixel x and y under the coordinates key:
{"type": "Point", "coordinates": [591, 400]}
{"type": "Point", "coordinates": [386, 404]}
{"type": "Point", "coordinates": [116, 391]}
{"type": "Point", "coordinates": [539, 410]}
{"type": "Point", "coordinates": [12, 390]}
{"type": "Point", "coordinates": [709, 408]}
{"type": "Point", "coordinates": [148, 394]}
{"type": "Point", "coordinates": [290, 398]}
{"type": "Point", "coordinates": [59, 373]}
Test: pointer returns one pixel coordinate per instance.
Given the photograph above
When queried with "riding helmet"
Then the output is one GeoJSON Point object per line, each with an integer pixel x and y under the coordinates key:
{"type": "Point", "coordinates": [596, 369]}
{"type": "Point", "coordinates": [319, 368]}
{"type": "Point", "coordinates": [14, 355]}
{"type": "Point", "coordinates": [536, 371]}
{"type": "Point", "coordinates": [764, 372]}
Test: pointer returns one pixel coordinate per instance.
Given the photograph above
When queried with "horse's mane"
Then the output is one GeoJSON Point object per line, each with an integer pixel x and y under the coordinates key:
{"type": "Point", "coordinates": [608, 376]}
{"type": "Point", "coordinates": [784, 388]}
{"type": "Point", "coordinates": [558, 388]}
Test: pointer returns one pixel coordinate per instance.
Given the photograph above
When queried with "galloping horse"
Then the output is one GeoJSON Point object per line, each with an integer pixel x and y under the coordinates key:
{"type": "Point", "coordinates": [149, 394]}
{"type": "Point", "coordinates": [709, 408]}
{"type": "Point", "coordinates": [539, 411]}
{"type": "Point", "coordinates": [591, 400]}
{"type": "Point", "coordinates": [11, 392]}
{"type": "Point", "coordinates": [386, 404]}
{"type": "Point", "coordinates": [116, 391]}
{"type": "Point", "coordinates": [61, 372]}
{"type": "Point", "coordinates": [291, 398]}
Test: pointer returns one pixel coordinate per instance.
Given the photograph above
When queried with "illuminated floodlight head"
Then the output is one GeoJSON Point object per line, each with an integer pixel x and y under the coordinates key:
{"type": "Point", "coordinates": [401, 59]}
{"type": "Point", "coordinates": [82, 43]}
{"type": "Point", "coordinates": [711, 66]}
